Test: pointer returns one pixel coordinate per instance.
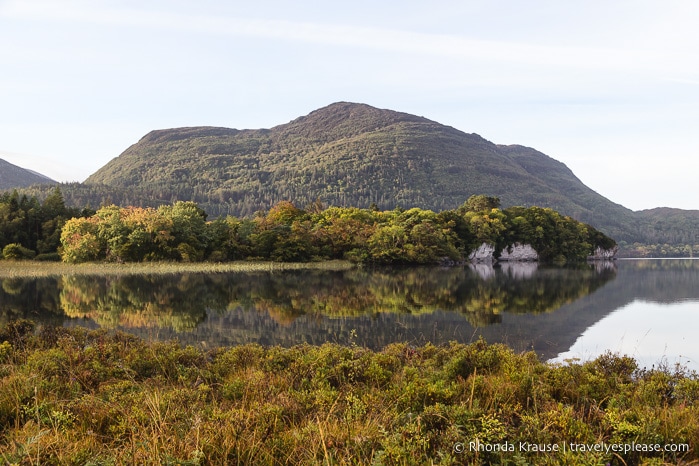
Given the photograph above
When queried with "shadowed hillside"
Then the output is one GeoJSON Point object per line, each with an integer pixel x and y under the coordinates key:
{"type": "Point", "coordinates": [12, 176]}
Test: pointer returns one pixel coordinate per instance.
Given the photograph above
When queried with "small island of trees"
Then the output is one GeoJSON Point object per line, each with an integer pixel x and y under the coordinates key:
{"type": "Point", "coordinates": [285, 233]}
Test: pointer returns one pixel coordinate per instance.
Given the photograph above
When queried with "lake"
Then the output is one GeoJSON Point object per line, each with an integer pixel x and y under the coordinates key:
{"type": "Point", "coordinates": [648, 309]}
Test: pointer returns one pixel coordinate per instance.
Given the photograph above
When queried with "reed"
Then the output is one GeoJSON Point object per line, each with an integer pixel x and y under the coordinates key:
{"type": "Point", "coordinates": [17, 269]}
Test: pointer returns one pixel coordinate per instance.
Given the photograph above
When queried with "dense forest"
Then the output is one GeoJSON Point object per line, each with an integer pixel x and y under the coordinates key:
{"type": "Point", "coordinates": [659, 232]}
{"type": "Point", "coordinates": [287, 233]}
{"type": "Point", "coordinates": [32, 229]}
{"type": "Point", "coordinates": [181, 232]}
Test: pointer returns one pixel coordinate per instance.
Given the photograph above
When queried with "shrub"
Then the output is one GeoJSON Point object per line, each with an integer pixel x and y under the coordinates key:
{"type": "Point", "coordinates": [15, 251]}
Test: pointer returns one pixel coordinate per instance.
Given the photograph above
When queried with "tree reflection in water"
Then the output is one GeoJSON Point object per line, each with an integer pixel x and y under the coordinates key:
{"type": "Point", "coordinates": [480, 293]}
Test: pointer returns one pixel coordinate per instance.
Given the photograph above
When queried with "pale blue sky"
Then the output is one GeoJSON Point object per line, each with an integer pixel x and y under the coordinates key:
{"type": "Point", "coordinates": [610, 88]}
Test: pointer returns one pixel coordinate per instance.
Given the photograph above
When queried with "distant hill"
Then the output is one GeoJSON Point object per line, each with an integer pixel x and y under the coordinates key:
{"type": "Point", "coordinates": [12, 176]}
{"type": "Point", "coordinates": [667, 225]}
{"type": "Point", "coordinates": [350, 154]}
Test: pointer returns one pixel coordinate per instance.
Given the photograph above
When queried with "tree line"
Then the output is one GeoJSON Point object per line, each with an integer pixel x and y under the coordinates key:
{"type": "Point", "coordinates": [182, 232]}
{"type": "Point", "coordinates": [656, 233]}
{"type": "Point", "coordinates": [288, 233]}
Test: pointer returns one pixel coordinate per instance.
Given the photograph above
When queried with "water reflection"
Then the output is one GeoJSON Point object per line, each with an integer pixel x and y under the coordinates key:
{"type": "Point", "coordinates": [525, 306]}
{"type": "Point", "coordinates": [656, 308]}
{"type": "Point", "coordinates": [377, 306]}
{"type": "Point", "coordinates": [644, 330]}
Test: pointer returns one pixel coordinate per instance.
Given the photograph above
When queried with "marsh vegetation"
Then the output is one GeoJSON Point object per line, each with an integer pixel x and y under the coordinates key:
{"type": "Point", "coordinates": [96, 397]}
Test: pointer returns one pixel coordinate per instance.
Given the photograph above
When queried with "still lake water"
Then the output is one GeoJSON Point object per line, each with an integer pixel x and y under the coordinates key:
{"type": "Point", "coordinates": [648, 309]}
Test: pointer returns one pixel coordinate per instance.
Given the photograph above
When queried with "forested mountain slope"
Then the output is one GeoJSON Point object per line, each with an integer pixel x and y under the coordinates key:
{"type": "Point", "coordinates": [349, 155]}
{"type": "Point", "coordinates": [667, 225]}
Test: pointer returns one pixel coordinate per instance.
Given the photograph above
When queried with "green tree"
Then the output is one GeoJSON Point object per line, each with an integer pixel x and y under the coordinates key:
{"type": "Point", "coordinates": [149, 233]}
{"type": "Point", "coordinates": [189, 236]}
{"type": "Point", "coordinates": [487, 226]}
{"type": "Point", "coordinates": [430, 243]}
{"type": "Point", "coordinates": [480, 203]}
{"type": "Point", "coordinates": [387, 244]}
{"type": "Point", "coordinates": [340, 231]}
{"type": "Point", "coordinates": [226, 241]}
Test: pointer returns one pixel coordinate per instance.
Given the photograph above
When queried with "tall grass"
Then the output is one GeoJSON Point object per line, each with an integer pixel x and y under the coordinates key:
{"type": "Point", "coordinates": [15, 269]}
{"type": "Point", "coordinates": [92, 397]}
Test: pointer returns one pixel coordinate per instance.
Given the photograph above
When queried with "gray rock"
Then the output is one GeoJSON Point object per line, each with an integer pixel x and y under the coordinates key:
{"type": "Point", "coordinates": [519, 253]}
{"type": "Point", "coordinates": [484, 253]}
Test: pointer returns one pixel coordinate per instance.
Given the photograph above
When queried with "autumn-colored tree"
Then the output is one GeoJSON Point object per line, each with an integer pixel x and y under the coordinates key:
{"type": "Point", "coordinates": [80, 240]}
{"type": "Point", "coordinates": [340, 231]}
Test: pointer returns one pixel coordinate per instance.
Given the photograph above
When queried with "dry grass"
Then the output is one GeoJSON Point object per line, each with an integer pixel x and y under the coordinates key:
{"type": "Point", "coordinates": [16, 269]}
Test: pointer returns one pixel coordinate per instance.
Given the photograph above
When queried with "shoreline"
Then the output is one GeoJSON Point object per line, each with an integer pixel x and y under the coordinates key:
{"type": "Point", "coordinates": [17, 269]}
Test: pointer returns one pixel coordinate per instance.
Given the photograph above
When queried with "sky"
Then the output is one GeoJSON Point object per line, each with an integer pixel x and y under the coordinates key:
{"type": "Point", "coordinates": [610, 88]}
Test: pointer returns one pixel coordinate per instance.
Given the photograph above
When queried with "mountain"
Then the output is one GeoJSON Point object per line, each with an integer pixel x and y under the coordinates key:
{"type": "Point", "coordinates": [351, 154]}
{"type": "Point", "coordinates": [12, 176]}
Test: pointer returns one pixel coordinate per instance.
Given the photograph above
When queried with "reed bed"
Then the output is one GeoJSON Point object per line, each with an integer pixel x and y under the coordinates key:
{"type": "Point", "coordinates": [29, 269]}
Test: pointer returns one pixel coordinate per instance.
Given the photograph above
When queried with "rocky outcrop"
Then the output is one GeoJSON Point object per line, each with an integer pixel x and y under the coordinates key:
{"type": "Point", "coordinates": [484, 253]}
{"type": "Point", "coordinates": [519, 253]}
{"type": "Point", "coordinates": [513, 253]}
{"type": "Point", "coordinates": [601, 254]}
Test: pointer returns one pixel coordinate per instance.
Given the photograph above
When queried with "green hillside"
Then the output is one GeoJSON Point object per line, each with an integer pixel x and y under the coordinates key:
{"type": "Point", "coordinates": [349, 154]}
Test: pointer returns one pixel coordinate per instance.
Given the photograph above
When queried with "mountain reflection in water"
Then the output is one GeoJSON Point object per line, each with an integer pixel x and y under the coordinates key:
{"type": "Point", "coordinates": [656, 309]}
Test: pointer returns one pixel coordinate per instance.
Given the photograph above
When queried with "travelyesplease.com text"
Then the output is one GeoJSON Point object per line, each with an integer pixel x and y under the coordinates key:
{"type": "Point", "coordinates": [477, 446]}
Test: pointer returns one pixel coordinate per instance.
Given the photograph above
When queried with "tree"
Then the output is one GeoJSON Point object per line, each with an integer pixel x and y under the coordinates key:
{"type": "Point", "coordinates": [54, 205]}
{"type": "Point", "coordinates": [387, 244]}
{"type": "Point", "coordinates": [226, 242]}
{"type": "Point", "coordinates": [487, 226]}
{"type": "Point", "coordinates": [189, 235]}
{"type": "Point", "coordinates": [430, 243]}
{"type": "Point", "coordinates": [480, 203]}
{"type": "Point", "coordinates": [341, 230]}
{"type": "Point", "coordinates": [149, 233]}
{"type": "Point", "coordinates": [80, 241]}
{"type": "Point", "coordinates": [283, 213]}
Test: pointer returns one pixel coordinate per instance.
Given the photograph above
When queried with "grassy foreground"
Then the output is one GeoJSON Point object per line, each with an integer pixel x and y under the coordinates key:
{"type": "Point", "coordinates": [91, 397]}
